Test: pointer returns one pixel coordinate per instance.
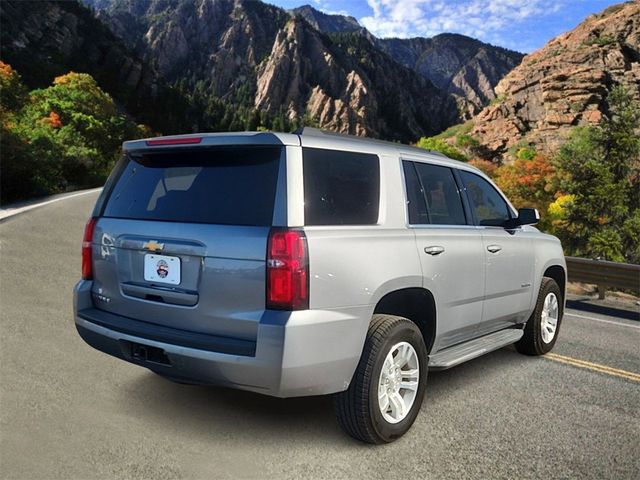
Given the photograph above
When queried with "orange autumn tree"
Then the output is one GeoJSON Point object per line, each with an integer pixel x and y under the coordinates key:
{"type": "Point", "coordinates": [12, 91]}
{"type": "Point", "coordinates": [529, 181]}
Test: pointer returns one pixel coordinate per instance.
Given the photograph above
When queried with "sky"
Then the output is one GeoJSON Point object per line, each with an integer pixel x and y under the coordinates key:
{"type": "Point", "coordinates": [522, 25]}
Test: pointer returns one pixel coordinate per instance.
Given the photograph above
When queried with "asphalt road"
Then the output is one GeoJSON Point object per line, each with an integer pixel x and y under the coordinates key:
{"type": "Point", "coordinates": [68, 411]}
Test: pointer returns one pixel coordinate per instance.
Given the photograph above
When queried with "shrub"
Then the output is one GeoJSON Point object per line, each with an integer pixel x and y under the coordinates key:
{"type": "Point", "coordinates": [432, 143]}
{"type": "Point", "coordinates": [526, 153]}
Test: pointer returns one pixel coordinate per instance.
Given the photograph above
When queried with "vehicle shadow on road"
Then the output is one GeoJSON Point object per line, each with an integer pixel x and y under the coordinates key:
{"type": "Point", "coordinates": [249, 417]}
{"type": "Point", "coordinates": [590, 306]}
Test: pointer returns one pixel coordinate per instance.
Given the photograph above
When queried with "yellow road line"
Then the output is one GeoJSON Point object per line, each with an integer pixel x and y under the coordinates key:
{"type": "Point", "coordinates": [596, 367]}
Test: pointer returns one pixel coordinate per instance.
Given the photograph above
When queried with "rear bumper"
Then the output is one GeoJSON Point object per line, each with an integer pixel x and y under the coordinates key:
{"type": "Point", "coordinates": [311, 352]}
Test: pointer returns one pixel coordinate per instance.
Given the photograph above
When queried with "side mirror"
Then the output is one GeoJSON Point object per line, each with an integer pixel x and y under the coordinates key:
{"type": "Point", "coordinates": [528, 216]}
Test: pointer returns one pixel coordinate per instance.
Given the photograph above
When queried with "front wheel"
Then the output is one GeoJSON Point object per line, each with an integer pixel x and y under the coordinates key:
{"type": "Point", "coordinates": [386, 392]}
{"type": "Point", "coordinates": [541, 331]}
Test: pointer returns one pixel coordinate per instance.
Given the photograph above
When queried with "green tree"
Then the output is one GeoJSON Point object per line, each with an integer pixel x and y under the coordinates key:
{"type": "Point", "coordinates": [600, 168]}
{"type": "Point", "coordinates": [27, 169]}
{"type": "Point", "coordinates": [65, 136]}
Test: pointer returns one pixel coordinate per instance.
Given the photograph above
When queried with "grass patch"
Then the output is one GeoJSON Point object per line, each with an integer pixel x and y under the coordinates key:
{"type": "Point", "coordinates": [600, 41]}
{"type": "Point", "coordinates": [499, 99]}
{"type": "Point", "coordinates": [455, 130]}
{"type": "Point", "coordinates": [576, 107]}
{"type": "Point", "coordinates": [613, 9]}
{"type": "Point", "coordinates": [464, 140]}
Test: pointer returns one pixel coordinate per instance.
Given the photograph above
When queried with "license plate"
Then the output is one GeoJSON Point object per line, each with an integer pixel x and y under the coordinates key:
{"type": "Point", "coordinates": [162, 269]}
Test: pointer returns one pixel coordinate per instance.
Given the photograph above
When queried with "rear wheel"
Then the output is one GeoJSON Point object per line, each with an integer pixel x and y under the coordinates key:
{"type": "Point", "coordinates": [386, 392]}
{"type": "Point", "coordinates": [541, 331]}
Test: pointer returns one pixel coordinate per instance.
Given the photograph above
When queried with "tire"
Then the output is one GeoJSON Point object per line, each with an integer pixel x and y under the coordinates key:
{"type": "Point", "coordinates": [358, 410]}
{"type": "Point", "coordinates": [535, 341]}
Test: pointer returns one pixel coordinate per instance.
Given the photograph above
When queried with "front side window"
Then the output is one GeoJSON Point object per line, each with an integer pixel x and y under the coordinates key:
{"type": "Point", "coordinates": [487, 204]}
{"type": "Point", "coordinates": [340, 188]}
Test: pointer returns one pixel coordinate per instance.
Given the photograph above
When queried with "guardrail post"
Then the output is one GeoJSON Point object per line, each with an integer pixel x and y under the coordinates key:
{"type": "Point", "coordinates": [602, 290]}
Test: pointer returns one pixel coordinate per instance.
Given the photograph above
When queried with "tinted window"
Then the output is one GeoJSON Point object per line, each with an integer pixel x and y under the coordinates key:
{"type": "Point", "coordinates": [416, 205]}
{"type": "Point", "coordinates": [444, 203]}
{"type": "Point", "coordinates": [488, 206]}
{"type": "Point", "coordinates": [234, 186]}
{"type": "Point", "coordinates": [340, 188]}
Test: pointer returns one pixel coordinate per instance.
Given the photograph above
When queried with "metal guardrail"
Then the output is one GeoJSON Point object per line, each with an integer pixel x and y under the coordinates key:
{"type": "Point", "coordinates": [604, 274]}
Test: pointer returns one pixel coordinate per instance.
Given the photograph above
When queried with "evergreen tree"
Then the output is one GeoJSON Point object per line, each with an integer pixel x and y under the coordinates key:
{"type": "Point", "coordinates": [600, 169]}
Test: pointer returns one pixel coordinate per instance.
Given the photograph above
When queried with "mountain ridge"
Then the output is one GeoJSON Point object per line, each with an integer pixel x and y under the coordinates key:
{"type": "Point", "coordinates": [328, 22]}
{"type": "Point", "coordinates": [460, 65]}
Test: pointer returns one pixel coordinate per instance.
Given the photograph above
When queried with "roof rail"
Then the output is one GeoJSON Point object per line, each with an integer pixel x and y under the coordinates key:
{"type": "Point", "coordinates": [317, 132]}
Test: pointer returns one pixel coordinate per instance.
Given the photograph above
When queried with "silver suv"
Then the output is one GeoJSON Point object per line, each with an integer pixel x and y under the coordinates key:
{"type": "Point", "coordinates": [312, 264]}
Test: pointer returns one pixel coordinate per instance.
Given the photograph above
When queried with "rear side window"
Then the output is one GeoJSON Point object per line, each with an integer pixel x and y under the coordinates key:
{"type": "Point", "coordinates": [488, 206]}
{"type": "Point", "coordinates": [416, 204]}
{"type": "Point", "coordinates": [340, 188]}
{"type": "Point", "coordinates": [441, 193]}
{"type": "Point", "coordinates": [233, 186]}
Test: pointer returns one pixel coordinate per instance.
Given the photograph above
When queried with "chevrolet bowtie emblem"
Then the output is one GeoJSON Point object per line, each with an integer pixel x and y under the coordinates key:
{"type": "Point", "coordinates": [153, 246]}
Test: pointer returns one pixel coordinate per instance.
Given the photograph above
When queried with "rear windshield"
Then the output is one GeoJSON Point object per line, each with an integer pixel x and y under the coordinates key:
{"type": "Point", "coordinates": [232, 186]}
{"type": "Point", "coordinates": [340, 188]}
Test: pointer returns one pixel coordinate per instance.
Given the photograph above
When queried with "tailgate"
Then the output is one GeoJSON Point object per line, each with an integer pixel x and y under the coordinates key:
{"type": "Point", "coordinates": [182, 239]}
{"type": "Point", "coordinates": [221, 271]}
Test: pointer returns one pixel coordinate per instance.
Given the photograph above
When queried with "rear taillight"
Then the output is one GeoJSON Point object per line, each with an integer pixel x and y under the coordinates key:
{"type": "Point", "coordinates": [287, 270]}
{"type": "Point", "coordinates": [87, 270]}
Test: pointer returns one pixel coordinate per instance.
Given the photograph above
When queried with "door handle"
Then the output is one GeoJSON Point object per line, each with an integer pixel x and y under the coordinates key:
{"type": "Point", "coordinates": [434, 250]}
{"type": "Point", "coordinates": [494, 248]}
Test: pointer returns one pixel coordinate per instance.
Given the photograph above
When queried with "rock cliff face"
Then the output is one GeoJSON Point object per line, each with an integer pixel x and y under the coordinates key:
{"type": "Point", "coordinates": [318, 86]}
{"type": "Point", "coordinates": [564, 84]}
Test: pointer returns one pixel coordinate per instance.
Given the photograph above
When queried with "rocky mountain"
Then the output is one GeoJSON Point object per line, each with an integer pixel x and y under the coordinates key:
{"type": "Point", "coordinates": [461, 66]}
{"type": "Point", "coordinates": [564, 84]}
{"type": "Point", "coordinates": [257, 56]}
{"type": "Point", "coordinates": [42, 40]}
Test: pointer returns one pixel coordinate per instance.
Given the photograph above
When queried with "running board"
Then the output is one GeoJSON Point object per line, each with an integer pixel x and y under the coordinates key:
{"type": "Point", "coordinates": [452, 356]}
